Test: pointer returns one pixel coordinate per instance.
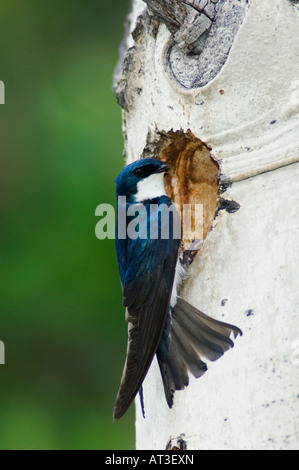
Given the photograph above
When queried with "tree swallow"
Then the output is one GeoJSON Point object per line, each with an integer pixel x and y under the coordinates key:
{"type": "Point", "coordinates": [159, 321]}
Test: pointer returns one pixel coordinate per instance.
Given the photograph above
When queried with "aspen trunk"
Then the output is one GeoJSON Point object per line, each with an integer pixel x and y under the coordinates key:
{"type": "Point", "coordinates": [223, 76]}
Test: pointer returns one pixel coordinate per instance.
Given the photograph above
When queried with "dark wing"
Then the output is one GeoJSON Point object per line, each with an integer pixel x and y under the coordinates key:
{"type": "Point", "coordinates": [146, 295]}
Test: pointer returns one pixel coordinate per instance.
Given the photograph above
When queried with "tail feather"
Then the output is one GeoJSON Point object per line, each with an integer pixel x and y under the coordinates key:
{"type": "Point", "coordinates": [224, 329]}
{"type": "Point", "coordinates": [168, 383]}
{"type": "Point", "coordinates": [192, 335]}
{"type": "Point", "coordinates": [173, 370]}
{"type": "Point", "coordinates": [193, 362]}
{"type": "Point", "coordinates": [209, 337]}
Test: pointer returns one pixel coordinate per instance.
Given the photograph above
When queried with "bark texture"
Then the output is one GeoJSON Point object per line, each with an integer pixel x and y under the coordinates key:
{"type": "Point", "coordinates": [205, 83]}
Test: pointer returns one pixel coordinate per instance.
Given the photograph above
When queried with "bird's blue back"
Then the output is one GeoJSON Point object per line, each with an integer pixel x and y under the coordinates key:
{"type": "Point", "coordinates": [140, 256]}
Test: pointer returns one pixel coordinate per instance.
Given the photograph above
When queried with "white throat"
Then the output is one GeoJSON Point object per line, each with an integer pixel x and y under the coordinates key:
{"type": "Point", "coordinates": [150, 187]}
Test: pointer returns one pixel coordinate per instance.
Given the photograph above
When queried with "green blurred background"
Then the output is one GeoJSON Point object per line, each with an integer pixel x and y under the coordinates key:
{"type": "Point", "coordinates": [61, 147]}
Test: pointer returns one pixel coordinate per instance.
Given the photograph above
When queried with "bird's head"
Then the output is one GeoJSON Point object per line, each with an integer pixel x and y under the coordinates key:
{"type": "Point", "coordinates": [142, 180]}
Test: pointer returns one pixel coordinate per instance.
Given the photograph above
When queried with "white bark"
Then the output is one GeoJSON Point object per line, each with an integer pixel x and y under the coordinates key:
{"type": "Point", "coordinates": [247, 111]}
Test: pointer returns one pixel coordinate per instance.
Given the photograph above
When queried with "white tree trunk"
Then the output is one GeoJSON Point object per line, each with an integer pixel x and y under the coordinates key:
{"type": "Point", "coordinates": [239, 93]}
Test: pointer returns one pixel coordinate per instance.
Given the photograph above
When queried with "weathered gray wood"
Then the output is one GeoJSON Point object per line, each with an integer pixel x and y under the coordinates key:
{"type": "Point", "coordinates": [203, 34]}
{"type": "Point", "coordinates": [189, 20]}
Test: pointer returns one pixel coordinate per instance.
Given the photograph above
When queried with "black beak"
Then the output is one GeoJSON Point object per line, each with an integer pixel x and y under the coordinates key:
{"type": "Point", "coordinates": [163, 168]}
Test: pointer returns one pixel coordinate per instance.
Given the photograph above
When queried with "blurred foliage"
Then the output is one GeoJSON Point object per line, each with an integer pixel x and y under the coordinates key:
{"type": "Point", "coordinates": [61, 146]}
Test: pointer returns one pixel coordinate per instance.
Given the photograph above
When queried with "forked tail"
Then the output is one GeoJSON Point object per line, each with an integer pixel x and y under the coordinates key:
{"type": "Point", "coordinates": [188, 336]}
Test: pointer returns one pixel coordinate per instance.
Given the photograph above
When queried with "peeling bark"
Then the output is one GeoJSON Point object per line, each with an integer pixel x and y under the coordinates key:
{"type": "Point", "coordinates": [203, 32]}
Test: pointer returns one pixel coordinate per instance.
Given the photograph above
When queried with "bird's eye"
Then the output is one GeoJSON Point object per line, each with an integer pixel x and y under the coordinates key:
{"type": "Point", "coordinates": [144, 171]}
{"type": "Point", "coordinates": [138, 172]}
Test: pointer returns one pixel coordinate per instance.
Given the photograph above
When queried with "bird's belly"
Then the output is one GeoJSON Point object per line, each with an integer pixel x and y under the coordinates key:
{"type": "Point", "coordinates": [180, 273]}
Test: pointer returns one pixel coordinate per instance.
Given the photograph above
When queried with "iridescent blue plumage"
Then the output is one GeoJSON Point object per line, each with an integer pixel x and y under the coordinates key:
{"type": "Point", "coordinates": [147, 256]}
{"type": "Point", "coordinates": [146, 267]}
